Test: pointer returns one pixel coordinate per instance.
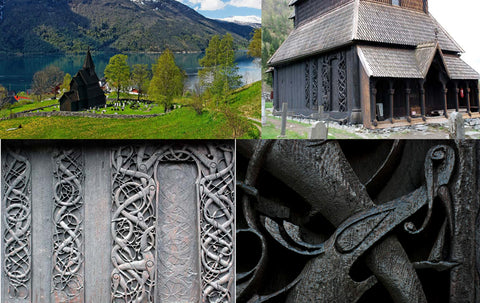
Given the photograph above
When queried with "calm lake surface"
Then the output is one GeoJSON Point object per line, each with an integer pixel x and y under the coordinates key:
{"type": "Point", "coordinates": [16, 72]}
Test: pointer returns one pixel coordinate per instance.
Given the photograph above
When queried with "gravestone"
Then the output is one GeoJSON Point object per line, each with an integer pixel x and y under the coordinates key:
{"type": "Point", "coordinates": [456, 126]}
{"type": "Point", "coordinates": [318, 131]}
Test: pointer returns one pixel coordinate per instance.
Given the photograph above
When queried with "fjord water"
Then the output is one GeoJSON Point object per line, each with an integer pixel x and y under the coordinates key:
{"type": "Point", "coordinates": [16, 72]}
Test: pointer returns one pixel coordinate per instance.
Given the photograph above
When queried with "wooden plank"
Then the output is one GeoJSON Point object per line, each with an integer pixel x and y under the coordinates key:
{"type": "Point", "coordinates": [97, 227]}
{"type": "Point", "coordinates": [177, 236]}
{"type": "Point", "coordinates": [42, 210]}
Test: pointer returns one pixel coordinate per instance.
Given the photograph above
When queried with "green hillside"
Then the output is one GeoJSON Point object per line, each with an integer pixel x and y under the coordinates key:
{"type": "Point", "coordinates": [47, 26]}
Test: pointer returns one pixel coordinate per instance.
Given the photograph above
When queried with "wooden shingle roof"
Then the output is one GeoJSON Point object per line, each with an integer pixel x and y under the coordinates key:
{"type": "Point", "coordinates": [385, 62]}
{"type": "Point", "coordinates": [363, 22]}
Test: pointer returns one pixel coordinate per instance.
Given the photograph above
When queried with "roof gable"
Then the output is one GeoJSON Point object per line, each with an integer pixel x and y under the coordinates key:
{"type": "Point", "coordinates": [425, 54]}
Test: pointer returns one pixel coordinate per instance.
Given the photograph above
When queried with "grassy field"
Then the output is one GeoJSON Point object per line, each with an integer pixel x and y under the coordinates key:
{"type": "Point", "coordinates": [181, 123]}
{"type": "Point", "coordinates": [247, 100]}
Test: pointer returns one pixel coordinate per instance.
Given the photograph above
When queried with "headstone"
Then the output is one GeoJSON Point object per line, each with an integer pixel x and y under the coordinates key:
{"type": "Point", "coordinates": [318, 131]}
{"type": "Point", "coordinates": [456, 126]}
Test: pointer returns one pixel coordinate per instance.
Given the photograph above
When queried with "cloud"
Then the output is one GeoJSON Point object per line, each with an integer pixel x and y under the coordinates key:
{"type": "Point", "coordinates": [207, 5]}
{"type": "Point", "coordinates": [246, 3]}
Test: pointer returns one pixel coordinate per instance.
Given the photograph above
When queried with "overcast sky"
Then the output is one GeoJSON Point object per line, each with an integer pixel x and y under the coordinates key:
{"type": "Point", "coordinates": [460, 19]}
{"type": "Point", "coordinates": [225, 8]}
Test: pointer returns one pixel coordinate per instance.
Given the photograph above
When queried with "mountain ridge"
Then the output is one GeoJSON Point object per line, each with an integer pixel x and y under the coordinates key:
{"type": "Point", "coordinates": [51, 26]}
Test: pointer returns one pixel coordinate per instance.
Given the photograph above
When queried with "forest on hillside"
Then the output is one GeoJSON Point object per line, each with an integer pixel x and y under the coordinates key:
{"type": "Point", "coordinates": [276, 26]}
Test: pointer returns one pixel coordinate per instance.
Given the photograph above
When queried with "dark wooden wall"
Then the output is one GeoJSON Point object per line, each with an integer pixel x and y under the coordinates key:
{"type": "Point", "coordinates": [328, 80]}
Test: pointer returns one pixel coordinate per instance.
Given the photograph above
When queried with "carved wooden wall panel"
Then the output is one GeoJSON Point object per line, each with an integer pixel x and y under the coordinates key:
{"type": "Point", "coordinates": [68, 216]}
{"type": "Point", "coordinates": [171, 222]}
{"type": "Point", "coordinates": [16, 223]}
{"type": "Point", "coordinates": [371, 221]}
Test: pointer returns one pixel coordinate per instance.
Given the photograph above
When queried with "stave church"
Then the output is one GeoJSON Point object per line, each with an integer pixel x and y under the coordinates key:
{"type": "Point", "coordinates": [372, 62]}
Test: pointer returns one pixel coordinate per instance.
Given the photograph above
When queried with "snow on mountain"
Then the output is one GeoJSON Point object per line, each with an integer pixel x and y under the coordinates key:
{"type": "Point", "coordinates": [253, 21]}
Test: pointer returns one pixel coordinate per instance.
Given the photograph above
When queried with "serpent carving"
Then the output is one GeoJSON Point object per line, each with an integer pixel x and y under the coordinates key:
{"type": "Point", "coordinates": [362, 231]}
{"type": "Point", "coordinates": [139, 273]}
{"type": "Point", "coordinates": [17, 262]}
{"type": "Point", "coordinates": [67, 275]}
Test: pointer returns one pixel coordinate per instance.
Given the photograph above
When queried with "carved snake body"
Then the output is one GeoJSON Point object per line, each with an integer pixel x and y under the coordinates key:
{"type": "Point", "coordinates": [321, 174]}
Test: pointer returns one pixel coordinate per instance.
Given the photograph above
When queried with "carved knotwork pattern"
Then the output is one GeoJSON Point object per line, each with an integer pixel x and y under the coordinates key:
{"type": "Point", "coordinates": [132, 228]}
{"type": "Point", "coordinates": [326, 87]}
{"type": "Point", "coordinates": [67, 275]}
{"type": "Point", "coordinates": [342, 82]}
{"type": "Point", "coordinates": [315, 83]}
{"type": "Point", "coordinates": [217, 228]}
{"type": "Point", "coordinates": [133, 278]}
{"type": "Point", "coordinates": [17, 224]}
{"type": "Point", "coordinates": [307, 84]}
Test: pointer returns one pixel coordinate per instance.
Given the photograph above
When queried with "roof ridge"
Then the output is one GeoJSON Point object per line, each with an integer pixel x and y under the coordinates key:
{"type": "Point", "coordinates": [446, 33]}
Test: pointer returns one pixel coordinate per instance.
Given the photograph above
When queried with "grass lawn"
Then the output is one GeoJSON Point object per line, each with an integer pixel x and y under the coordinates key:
{"type": "Point", "coordinates": [182, 123]}
{"type": "Point", "coordinates": [269, 131]}
{"type": "Point", "coordinates": [247, 100]}
{"type": "Point", "coordinates": [27, 105]}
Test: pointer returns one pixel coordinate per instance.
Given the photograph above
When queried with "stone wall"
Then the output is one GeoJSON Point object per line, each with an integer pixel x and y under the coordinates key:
{"type": "Point", "coordinates": [77, 114]}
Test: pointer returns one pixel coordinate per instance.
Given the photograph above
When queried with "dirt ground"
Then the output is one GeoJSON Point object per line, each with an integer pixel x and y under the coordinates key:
{"type": "Point", "coordinates": [336, 131]}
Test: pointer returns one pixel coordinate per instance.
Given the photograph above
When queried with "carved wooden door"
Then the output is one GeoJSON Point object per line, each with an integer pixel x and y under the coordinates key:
{"type": "Point", "coordinates": [103, 222]}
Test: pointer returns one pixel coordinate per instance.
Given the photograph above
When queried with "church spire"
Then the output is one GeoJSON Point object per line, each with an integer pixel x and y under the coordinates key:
{"type": "Point", "coordinates": [88, 61]}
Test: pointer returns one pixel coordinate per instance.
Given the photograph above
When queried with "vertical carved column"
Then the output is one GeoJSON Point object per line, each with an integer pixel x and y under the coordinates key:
{"type": "Point", "coordinates": [407, 103]}
{"type": "Point", "coordinates": [422, 98]}
{"type": "Point", "coordinates": [457, 91]}
{"type": "Point", "coordinates": [68, 216]}
{"type": "Point", "coordinates": [373, 102]}
{"type": "Point", "coordinates": [133, 228]}
{"type": "Point", "coordinates": [467, 97]}
{"type": "Point", "coordinates": [16, 205]}
{"type": "Point", "coordinates": [326, 83]}
{"type": "Point", "coordinates": [307, 84]}
{"type": "Point", "coordinates": [217, 227]}
{"type": "Point", "coordinates": [445, 104]}
{"type": "Point", "coordinates": [342, 82]}
{"type": "Point", "coordinates": [178, 268]}
{"type": "Point", "coordinates": [391, 94]}
{"type": "Point", "coordinates": [315, 84]}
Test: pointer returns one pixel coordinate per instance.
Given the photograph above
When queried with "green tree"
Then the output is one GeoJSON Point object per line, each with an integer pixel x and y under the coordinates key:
{"type": "Point", "coordinates": [140, 78]}
{"type": "Point", "coordinates": [219, 73]}
{"type": "Point", "coordinates": [255, 46]}
{"type": "Point", "coordinates": [65, 87]}
{"type": "Point", "coordinates": [167, 81]}
{"type": "Point", "coordinates": [117, 73]}
{"type": "Point", "coordinates": [3, 92]}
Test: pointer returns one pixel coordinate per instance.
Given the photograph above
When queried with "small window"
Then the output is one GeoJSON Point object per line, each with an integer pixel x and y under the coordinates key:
{"type": "Point", "coordinates": [396, 2]}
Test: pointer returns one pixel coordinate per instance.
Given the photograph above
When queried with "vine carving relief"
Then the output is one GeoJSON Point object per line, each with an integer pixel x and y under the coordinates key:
{"type": "Point", "coordinates": [139, 274]}
{"type": "Point", "coordinates": [67, 276]}
{"type": "Point", "coordinates": [16, 201]}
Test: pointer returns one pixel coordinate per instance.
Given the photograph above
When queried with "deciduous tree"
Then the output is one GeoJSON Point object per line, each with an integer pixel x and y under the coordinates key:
{"type": "Point", "coordinates": [167, 81]}
{"type": "Point", "coordinates": [117, 73]}
{"type": "Point", "coordinates": [255, 46]}
{"type": "Point", "coordinates": [219, 73]}
{"type": "Point", "coordinates": [65, 87]}
{"type": "Point", "coordinates": [46, 80]}
{"type": "Point", "coordinates": [140, 78]}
